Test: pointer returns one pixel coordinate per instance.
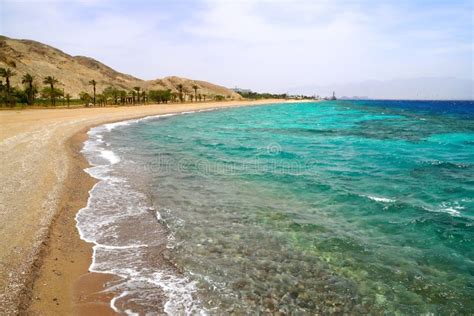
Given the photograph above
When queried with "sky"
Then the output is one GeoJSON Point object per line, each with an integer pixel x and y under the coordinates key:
{"type": "Point", "coordinates": [274, 46]}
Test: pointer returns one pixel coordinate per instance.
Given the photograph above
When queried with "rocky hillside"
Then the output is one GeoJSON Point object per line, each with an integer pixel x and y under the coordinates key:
{"type": "Point", "coordinates": [75, 72]}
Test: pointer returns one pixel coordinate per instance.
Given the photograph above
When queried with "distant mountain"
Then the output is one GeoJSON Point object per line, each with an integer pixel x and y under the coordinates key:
{"type": "Point", "coordinates": [418, 88]}
{"type": "Point", "coordinates": [206, 88]}
{"type": "Point", "coordinates": [75, 72]}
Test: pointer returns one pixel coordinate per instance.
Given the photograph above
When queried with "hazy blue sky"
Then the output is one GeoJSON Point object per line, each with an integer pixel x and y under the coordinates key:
{"type": "Point", "coordinates": [264, 45]}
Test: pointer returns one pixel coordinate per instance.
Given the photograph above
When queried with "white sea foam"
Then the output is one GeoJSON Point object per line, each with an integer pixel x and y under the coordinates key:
{"type": "Point", "coordinates": [110, 156]}
{"type": "Point", "coordinates": [380, 199]}
{"type": "Point", "coordinates": [110, 126]}
{"type": "Point", "coordinates": [106, 221]}
{"type": "Point", "coordinates": [452, 208]}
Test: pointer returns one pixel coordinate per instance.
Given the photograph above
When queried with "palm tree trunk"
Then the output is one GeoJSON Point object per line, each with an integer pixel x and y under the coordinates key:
{"type": "Point", "coordinates": [30, 93]}
{"type": "Point", "coordinates": [8, 91]}
{"type": "Point", "coordinates": [53, 102]}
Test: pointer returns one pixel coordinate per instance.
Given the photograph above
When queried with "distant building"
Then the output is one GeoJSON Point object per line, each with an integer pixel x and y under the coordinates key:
{"type": "Point", "coordinates": [333, 96]}
{"type": "Point", "coordinates": [238, 90]}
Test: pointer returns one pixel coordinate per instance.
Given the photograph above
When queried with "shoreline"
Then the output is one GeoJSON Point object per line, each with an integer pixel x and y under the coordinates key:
{"type": "Point", "coordinates": [67, 258]}
{"type": "Point", "coordinates": [52, 236]}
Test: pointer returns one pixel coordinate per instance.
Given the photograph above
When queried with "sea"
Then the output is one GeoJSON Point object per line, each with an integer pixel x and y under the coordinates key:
{"type": "Point", "coordinates": [331, 207]}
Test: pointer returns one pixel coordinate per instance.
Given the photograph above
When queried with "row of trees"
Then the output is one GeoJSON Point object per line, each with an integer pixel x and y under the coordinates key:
{"type": "Point", "coordinates": [11, 95]}
{"type": "Point", "coordinates": [111, 95]}
{"type": "Point", "coordinates": [257, 95]}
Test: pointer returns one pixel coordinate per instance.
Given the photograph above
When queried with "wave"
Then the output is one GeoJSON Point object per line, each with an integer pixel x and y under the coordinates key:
{"type": "Point", "coordinates": [453, 208]}
{"type": "Point", "coordinates": [447, 207]}
{"type": "Point", "coordinates": [379, 199]}
{"type": "Point", "coordinates": [110, 156]}
{"type": "Point", "coordinates": [109, 221]}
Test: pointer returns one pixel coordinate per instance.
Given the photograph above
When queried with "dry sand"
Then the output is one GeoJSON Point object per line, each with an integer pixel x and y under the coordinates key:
{"type": "Point", "coordinates": [43, 263]}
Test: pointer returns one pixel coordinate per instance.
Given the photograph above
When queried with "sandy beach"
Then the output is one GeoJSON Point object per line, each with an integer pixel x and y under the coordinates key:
{"type": "Point", "coordinates": [43, 263]}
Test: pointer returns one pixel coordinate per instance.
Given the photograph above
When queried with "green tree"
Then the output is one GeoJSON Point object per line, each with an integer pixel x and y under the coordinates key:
{"type": "Point", "coordinates": [51, 81]}
{"type": "Point", "coordinates": [52, 94]}
{"type": "Point", "coordinates": [123, 96]}
{"type": "Point", "coordinates": [112, 93]}
{"type": "Point", "coordinates": [93, 83]}
{"type": "Point", "coordinates": [137, 89]}
{"type": "Point", "coordinates": [7, 73]}
{"type": "Point", "coordinates": [19, 95]}
{"type": "Point", "coordinates": [180, 88]}
{"type": "Point", "coordinates": [102, 98]}
{"type": "Point", "coordinates": [84, 96]}
{"type": "Point", "coordinates": [2, 92]}
{"type": "Point", "coordinates": [195, 88]}
{"type": "Point", "coordinates": [160, 96]}
{"type": "Point", "coordinates": [30, 89]}
{"type": "Point", "coordinates": [133, 95]}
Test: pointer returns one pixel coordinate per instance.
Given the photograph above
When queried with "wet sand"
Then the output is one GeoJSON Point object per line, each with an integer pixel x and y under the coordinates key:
{"type": "Point", "coordinates": [43, 263]}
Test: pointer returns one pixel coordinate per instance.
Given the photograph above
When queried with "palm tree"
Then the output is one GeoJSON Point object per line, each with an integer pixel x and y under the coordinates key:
{"type": "Point", "coordinates": [93, 83]}
{"type": "Point", "coordinates": [7, 73]}
{"type": "Point", "coordinates": [102, 99]}
{"type": "Point", "coordinates": [123, 96]}
{"type": "Point", "coordinates": [137, 89]}
{"type": "Point", "coordinates": [195, 88]}
{"type": "Point", "coordinates": [180, 88]}
{"type": "Point", "coordinates": [51, 81]}
{"type": "Point", "coordinates": [132, 94]}
{"type": "Point", "coordinates": [27, 80]}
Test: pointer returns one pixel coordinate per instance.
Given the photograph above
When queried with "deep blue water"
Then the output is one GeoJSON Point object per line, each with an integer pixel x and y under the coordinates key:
{"type": "Point", "coordinates": [328, 207]}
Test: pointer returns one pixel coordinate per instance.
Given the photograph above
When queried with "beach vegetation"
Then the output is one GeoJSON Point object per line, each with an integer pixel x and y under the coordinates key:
{"type": "Point", "coordinates": [161, 96]}
{"type": "Point", "coordinates": [93, 83]}
{"type": "Point", "coordinates": [258, 96]}
{"type": "Point", "coordinates": [30, 89]}
{"type": "Point", "coordinates": [85, 97]}
{"type": "Point", "coordinates": [180, 88]}
{"type": "Point", "coordinates": [123, 96]}
{"type": "Point", "coordinates": [132, 94]}
{"type": "Point", "coordinates": [7, 73]}
{"type": "Point", "coordinates": [195, 88]}
{"type": "Point", "coordinates": [112, 93]}
{"type": "Point", "coordinates": [53, 93]}
{"type": "Point", "coordinates": [137, 93]}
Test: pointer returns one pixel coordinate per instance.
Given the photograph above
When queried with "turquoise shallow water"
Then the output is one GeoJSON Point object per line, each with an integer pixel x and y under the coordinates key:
{"type": "Point", "coordinates": [358, 207]}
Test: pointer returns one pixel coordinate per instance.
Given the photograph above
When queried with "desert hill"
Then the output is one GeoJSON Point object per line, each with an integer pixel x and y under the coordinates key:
{"type": "Point", "coordinates": [75, 72]}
